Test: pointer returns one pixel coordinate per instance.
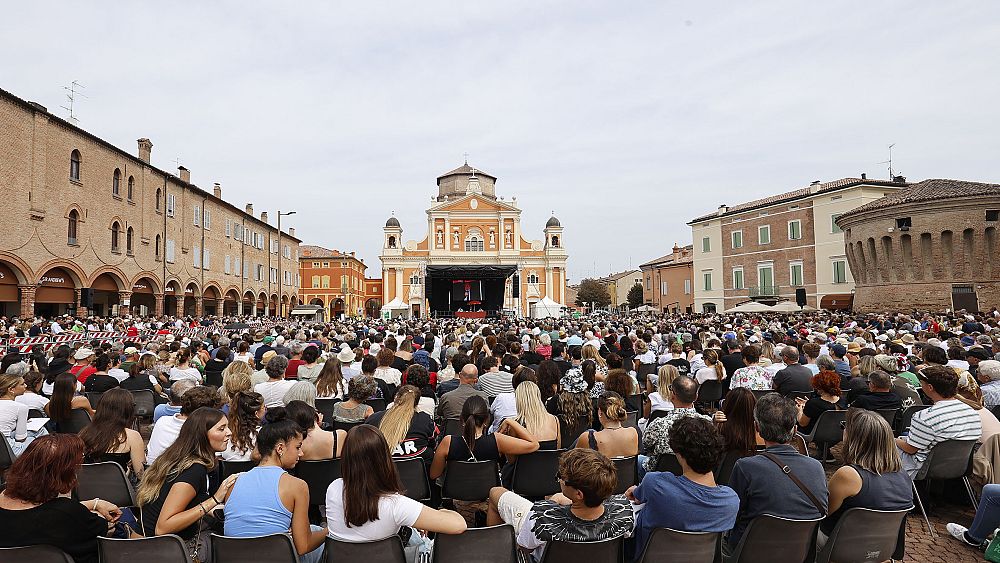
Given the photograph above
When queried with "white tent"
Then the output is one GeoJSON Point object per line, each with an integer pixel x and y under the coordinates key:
{"type": "Point", "coordinates": [394, 309]}
{"type": "Point", "coordinates": [643, 308]}
{"type": "Point", "coordinates": [750, 307]}
{"type": "Point", "coordinates": [546, 308]}
{"type": "Point", "coordinates": [790, 307]}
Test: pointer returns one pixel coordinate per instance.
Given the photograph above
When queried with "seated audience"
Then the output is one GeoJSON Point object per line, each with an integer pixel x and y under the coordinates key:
{"type": "Point", "coordinates": [753, 376]}
{"type": "Point", "coordinates": [36, 508]}
{"type": "Point", "coordinates": [411, 433]}
{"type": "Point", "coordinates": [14, 415]}
{"type": "Point", "coordinates": [450, 405]}
{"type": "Point", "coordinates": [827, 386]}
{"type": "Point", "coordinates": [417, 376]}
{"type": "Point", "coordinates": [64, 400]}
{"type": "Point", "coordinates": [353, 408]}
{"type": "Point", "coordinates": [656, 439]}
{"type": "Point", "coordinates": [615, 439]}
{"type": "Point", "coordinates": [366, 503]}
{"type": "Point", "coordinates": [317, 443]}
{"type": "Point", "coordinates": [880, 394]}
{"type": "Point", "coordinates": [736, 422]}
{"type": "Point", "coordinates": [762, 481]}
{"type": "Point", "coordinates": [273, 390]}
{"type": "Point", "coordinates": [584, 510]}
{"type": "Point", "coordinates": [100, 381]}
{"type": "Point", "coordinates": [493, 381]}
{"type": "Point", "coordinates": [32, 396]}
{"type": "Point", "coordinates": [793, 377]}
{"type": "Point", "coordinates": [245, 415]}
{"type": "Point", "coordinates": [174, 397]}
{"type": "Point", "coordinates": [476, 444]}
{"type": "Point", "coordinates": [267, 500]}
{"type": "Point", "coordinates": [331, 382]}
{"type": "Point", "coordinates": [659, 400]}
{"type": "Point", "coordinates": [310, 369]}
{"type": "Point", "coordinates": [109, 437]}
{"type": "Point", "coordinates": [166, 430]}
{"type": "Point", "coordinates": [691, 502]}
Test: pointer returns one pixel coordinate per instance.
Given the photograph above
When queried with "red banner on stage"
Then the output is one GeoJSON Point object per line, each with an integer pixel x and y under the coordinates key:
{"type": "Point", "coordinates": [471, 314]}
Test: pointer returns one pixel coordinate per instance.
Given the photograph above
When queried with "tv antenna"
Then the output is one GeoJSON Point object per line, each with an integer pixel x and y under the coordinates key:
{"type": "Point", "coordinates": [889, 162]}
{"type": "Point", "coordinates": [73, 91]}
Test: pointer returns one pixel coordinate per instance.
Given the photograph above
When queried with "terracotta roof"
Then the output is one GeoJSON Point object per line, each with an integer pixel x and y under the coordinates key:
{"type": "Point", "coordinates": [797, 194]}
{"type": "Point", "coordinates": [466, 170]}
{"type": "Point", "coordinates": [311, 251]}
{"type": "Point", "coordinates": [615, 277]}
{"type": "Point", "coordinates": [931, 190]}
{"type": "Point", "coordinates": [686, 256]}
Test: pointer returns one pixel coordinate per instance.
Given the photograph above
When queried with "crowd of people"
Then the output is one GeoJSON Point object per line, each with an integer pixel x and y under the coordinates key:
{"type": "Point", "coordinates": [710, 405]}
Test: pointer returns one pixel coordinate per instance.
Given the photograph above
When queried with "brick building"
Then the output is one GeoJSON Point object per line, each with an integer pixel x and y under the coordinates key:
{"type": "Point", "coordinates": [930, 247]}
{"type": "Point", "coordinates": [94, 229]}
{"type": "Point", "coordinates": [667, 281]}
{"type": "Point", "coordinates": [770, 247]}
{"type": "Point", "coordinates": [336, 281]}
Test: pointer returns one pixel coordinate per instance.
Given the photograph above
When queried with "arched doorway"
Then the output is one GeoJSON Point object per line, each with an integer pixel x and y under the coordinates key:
{"type": "Point", "coordinates": [230, 304]}
{"type": "Point", "coordinates": [56, 293]}
{"type": "Point", "coordinates": [261, 300]}
{"type": "Point", "coordinates": [190, 304]}
{"type": "Point", "coordinates": [10, 302]}
{"type": "Point", "coordinates": [708, 308]}
{"type": "Point", "coordinates": [272, 305]}
{"type": "Point", "coordinates": [284, 306]}
{"type": "Point", "coordinates": [143, 301]}
{"type": "Point", "coordinates": [336, 308]}
{"type": "Point", "coordinates": [105, 298]}
{"type": "Point", "coordinates": [210, 301]}
{"type": "Point", "coordinates": [373, 307]}
{"type": "Point", "coordinates": [170, 295]}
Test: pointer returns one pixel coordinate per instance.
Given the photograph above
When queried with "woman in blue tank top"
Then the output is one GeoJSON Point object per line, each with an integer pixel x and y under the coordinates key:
{"type": "Point", "coordinates": [267, 500]}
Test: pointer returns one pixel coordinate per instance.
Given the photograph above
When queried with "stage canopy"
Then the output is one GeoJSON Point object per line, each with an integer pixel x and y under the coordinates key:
{"type": "Point", "coordinates": [476, 272]}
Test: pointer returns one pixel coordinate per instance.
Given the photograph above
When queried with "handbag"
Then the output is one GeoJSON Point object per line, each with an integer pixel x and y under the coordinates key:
{"type": "Point", "coordinates": [798, 483]}
{"type": "Point", "coordinates": [993, 550]}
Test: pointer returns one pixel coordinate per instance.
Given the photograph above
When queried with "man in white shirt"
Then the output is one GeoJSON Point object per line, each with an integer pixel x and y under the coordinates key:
{"type": "Point", "coordinates": [167, 428]}
{"type": "Point", "coordinates": [55, 327]}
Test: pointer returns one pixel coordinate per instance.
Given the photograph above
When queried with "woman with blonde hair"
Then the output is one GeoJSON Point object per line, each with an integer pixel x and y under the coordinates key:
{"type": "Point", "coordinates": [331, 383]}
{"type": "Point", "coordinates": [872, 475]}
{"type": "Point", "coordinates": [592, 353]}
{"type": "Point", "coordinates": [409, 432]}
{"type": "Point", "coordinates": [531, 414]}
{"type": "Point", "coordinates": [614, 439]}
{"type": "Point", "coordinates": [659, 400]}
{"type": "Point", "coordinates": [713, 367]}
{"type": "Point", "coordinates": [235, 378]}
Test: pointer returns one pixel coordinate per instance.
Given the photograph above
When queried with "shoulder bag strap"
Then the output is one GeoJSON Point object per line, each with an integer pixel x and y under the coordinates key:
{"type": "Point", "coordinates": [798, 483]}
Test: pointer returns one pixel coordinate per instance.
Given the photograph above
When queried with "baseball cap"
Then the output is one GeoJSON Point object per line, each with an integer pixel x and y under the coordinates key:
{"type": "Point", "coordinates": [838, 349]}
{"type": "Point", "coordinates": [83, 354]}
{"type": "Point", "coordinates": [131, 350]}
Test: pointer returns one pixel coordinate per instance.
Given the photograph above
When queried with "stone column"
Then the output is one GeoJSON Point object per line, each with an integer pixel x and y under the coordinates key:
{"type": "Point", "coordinates": [399, 283]}
{"type": "Point", "coordinates": [180, 305]}
{"type": "Point", "coordinates": [198, 309]}
{"type": "Point", "coordinates": [124, 303]}
{"type": "Point", "coordinates": [158, 304]}
{"type": "Point", "coordinates": [27, 301]}
{"type": "Point", "coordinates": [81, 311]}
{"type": "Point", "coordinates": [548, 282]}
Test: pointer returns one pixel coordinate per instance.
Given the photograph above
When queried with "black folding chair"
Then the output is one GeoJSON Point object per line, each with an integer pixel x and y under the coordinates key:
{"type": "Point", "coordinates": [631, 419]}
{"type": "Point", "coordinates": [470, 481]}
{"type": "Point", "coordinates": [34, 554]}
{"type": "Point", "coordinates": [950, 459]}
{"type": "Point", "coordinates": [758, 393]}
{"type": "Point", "coordinates": [452, 427]}
{"type": "Point", "coordinates": [377, 405]}
{"type": "Point", "coordinates": [783, 540]}
{"type": "Point", "coordinates": [105, 480]}
{"type": "Point", "coordinates": [167, 548]}
{"type": "Point", "coordinates": [627, 469]}
{"type": "Point", "coordinates": [725, 468]}
{"type": "Point", "coordinates": [272, 548]}
{"type": "Point", "coordinates": [826, 431]}
{"type": "Point", "coordinates": [318, 474]}
{"type": "Point", "coordinates": [535, 474]}
{"type": "Point", "coordinates": [413, 475]}
{"type": "Point", "coordinates": [389, 550]}
{"type": "Point", "coordinates": [653, 415]}
{"type": "Point", "coordinates": [710, 392]}
{"type": "Point", "coordinates": [345, 426]}
{"type": "Point", "coordinates": [325, 407]}
{"type": "Point", "coordinates": [603, 551]}
{"type": "Point", "coordinates": [890, 416]}
{"type": "Point", "coordinates": [668, 462]}
{"type": "Point", "coordinates": [232, 467]}
{"type": "Point", "coordinates": [78, 420]}
{"type": "Point", "coordinates": [863, 534]}
{"type": "Point", "coordinates": [907, 416]}
{"type": "Point", "coordinates": [36, 413]}
{"type": "Point", "coordinates": [494, 544]}
{"type": "Point", "coordinates": [145, 404]}
{"type": "Point", "coordinates": [674, 546]}
{"type": "Point", "coordinates": [7, 458]}
{"type": "Point", "coordinates": [94, 398]}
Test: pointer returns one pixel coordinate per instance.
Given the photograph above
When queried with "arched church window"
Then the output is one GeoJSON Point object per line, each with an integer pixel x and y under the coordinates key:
{"type": "Point", "coordinates": [532, 277]}
{"type": "Point", "coordinates": [474, 242]}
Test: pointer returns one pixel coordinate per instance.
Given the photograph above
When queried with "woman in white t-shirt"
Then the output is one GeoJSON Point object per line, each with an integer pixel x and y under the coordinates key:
{"type": "Point", "coordinates": [243, 353]}
{"type": "Point", "coordinates": [183, 369]}
{"type": "Point", "coordinates": [659, 400]}
{"type": "Point", "coordinates": [368, 495]}
{"type": "Point", "coordinates": [713, 368]}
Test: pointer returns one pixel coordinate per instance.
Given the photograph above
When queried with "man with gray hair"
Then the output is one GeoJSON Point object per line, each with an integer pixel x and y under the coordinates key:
{"type": "Point", "coordinates": [989, 376]}
{"type": "Point", "coordinates": [764, 483]}
{"type": "Point", "coordinates": [175, 393]}
{"type": "Point", "coordinates": [273, 390]}
{"type": "Point", "coordinates": [793, 377]}
{"type": "Point", "coordinates": [880, 395]}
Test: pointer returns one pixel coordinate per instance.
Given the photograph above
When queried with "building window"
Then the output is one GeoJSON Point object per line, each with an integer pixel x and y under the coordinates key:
{"type": "Point", "coordinates": [197, 215]}
{"type": "Point", "coordinates": [325, 264]}
{"type": "Point", "coordinates": [532, 277]}
{"type": "Point", "coordinates": [706, 244]}
{"type": "Point", "coordinates": [131, 188]}
{"type": "Point", "coordinates": [414, 279]}
{"type": "Point", "coordinates": [171, 204]}
{"type": "Point", "coordinates": [648, 282]}
{"type": "Point", "coordinates": [207, 219]}
{"type": "Point", "coordinates": [737, 237]}
{"type": "Point", "coordinates": [687, 287]}
{"type": "Point", "coordinates": [903, 223]}
{"type": "Point", "coordinates": [326, 281]}
{"type": "Point", "coordinates": [738, 278]}
{"type": "Point", "coordinates": [315, 264]}
{"type": "Point", "coordinates": [206, 261]}
{"type": "Point", "coordinates": [764, 234]}
{"type": "Point", "coordinates": [170, 250]}
{"type": "Point", "coordinates": [115, 236]}
{"type": "Point", "coordinates": [839, 271]}
{"type": "Point", "coordinates": [474, 242]}
{"type": "Point", "coordinates": [794, 230]}
{"type": "Point", "coordinates": [992, 215]}
{"type": "Point", "coordinates": [663, 288]}
{"type": "Point", "coordinates": [795, 274]}
{"type": "Point", "coordinates": [71, 226]}
{"type": "Point", "coordinates": [128, 241]}
{"type": "Point", "coordinates": [74, 165]}
{"type": "Point", "coordinates": [196, 257]}
{"type": "Point", "coordinates": [707, 278]}
{"type": "Point", "coordinates": [159, 194]}
{"type": "Point", "coordinates": [156, 249]}
{"type": "Point", "coordinates": [116, 183]}
{"type": "Point", "coordinates": [315, 281]}
{"type": "Point", "coordinates": [834, 227]}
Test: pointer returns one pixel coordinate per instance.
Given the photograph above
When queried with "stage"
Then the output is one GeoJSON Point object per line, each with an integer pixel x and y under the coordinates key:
{"type": "Point", "coordinates": [467, 292]}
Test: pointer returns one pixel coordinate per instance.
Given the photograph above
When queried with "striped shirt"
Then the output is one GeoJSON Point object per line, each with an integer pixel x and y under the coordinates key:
{"type": "Point", "coordinates": [949, 419]}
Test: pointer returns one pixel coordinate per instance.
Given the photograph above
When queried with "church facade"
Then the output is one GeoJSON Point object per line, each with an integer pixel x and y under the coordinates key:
{"type": "Point", "coordinates": [473, 256]}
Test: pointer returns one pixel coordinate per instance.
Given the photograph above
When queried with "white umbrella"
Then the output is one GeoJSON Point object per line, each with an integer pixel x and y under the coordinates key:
{"type": "Point", "coordinates": [750, 307]}
{"type": "Point", "coordinates": [786, 307]}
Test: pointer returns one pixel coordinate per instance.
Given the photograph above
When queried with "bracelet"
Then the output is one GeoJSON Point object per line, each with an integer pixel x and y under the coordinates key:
{"type": "Point", "coordinates": [96, 500]}
{"type": "Point", "coordinates": [217, 501]}
{"type": "Point", "coordinates": [202, 507]}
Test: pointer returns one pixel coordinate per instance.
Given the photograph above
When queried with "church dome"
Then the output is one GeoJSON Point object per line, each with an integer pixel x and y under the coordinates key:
{"type": "Point", "coordinates": [552, 222]}
{"type": "Point", "coordinates": [392, 222]}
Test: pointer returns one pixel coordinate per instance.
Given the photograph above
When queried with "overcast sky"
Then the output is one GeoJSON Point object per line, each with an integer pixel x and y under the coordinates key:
{"type": "Point", "coordinates": [627, 119]}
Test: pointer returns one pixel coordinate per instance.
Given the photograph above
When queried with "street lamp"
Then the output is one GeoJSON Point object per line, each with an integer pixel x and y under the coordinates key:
{"type": "Point", "coordinates": [280, 252]}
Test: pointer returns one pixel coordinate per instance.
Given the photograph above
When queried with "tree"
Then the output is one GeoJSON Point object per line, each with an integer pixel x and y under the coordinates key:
{"type": "Point", "coordinates": [635, 296]}
{"type": "Point", "coordinates": [592, 293]}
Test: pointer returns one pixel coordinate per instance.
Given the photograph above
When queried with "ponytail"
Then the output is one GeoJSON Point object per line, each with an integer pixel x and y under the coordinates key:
{"type": "Point", "coordinates": [475, 414]}
{"type": "Point", "coordinates": [396, 421]}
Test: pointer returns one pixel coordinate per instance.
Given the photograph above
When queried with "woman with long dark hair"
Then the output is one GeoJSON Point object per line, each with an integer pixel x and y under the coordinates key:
{"type": "Point", "coordinates": [267, 500]}
{"type": "Point", "coordinates": [245, 413]}
{"type": "Point", "coordinates": [736, 422]}
{"type": "Point", "coordinates": [109, 436]}
{"type": "Point", "coordinates": [174, 492]}
{"type": "Point", "coordinates": [476, 444]}
{"type": "Point", "coordinates": [367, 504]}
{"type": "Point", "coordinates": [64, 400]}
{"type": "Point", "coordinates": [549, 375]}
{"type": "Point", "coordinates": [331, 382]}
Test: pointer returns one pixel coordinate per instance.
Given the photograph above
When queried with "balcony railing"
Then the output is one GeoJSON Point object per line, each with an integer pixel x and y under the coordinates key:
{"type": "Point", "coordinates": [763, 291]}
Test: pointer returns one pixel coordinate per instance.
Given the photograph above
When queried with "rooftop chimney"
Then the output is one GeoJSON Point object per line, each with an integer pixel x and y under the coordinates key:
{"type": "Point", "coordinates": [185, 174]}
{"type": "Point", "coordinates": [864, 176]}
{"type": "Point", "coordinates": [145, 149]}
{"type": "Point", "coordinates": [722, 209]}
{"type": "Point", "coordinates": [250, 209]}
{"type": "Point", "coordinates": [291, 231]}
{"type": "Point", "coordinates": [676, 249]}
{"type": "Point", "coordinates": [263, 216]}
{"type": "Point", "coordinates": [217, 190]}
{"type": "Point", "coordinates": [814, 186]}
